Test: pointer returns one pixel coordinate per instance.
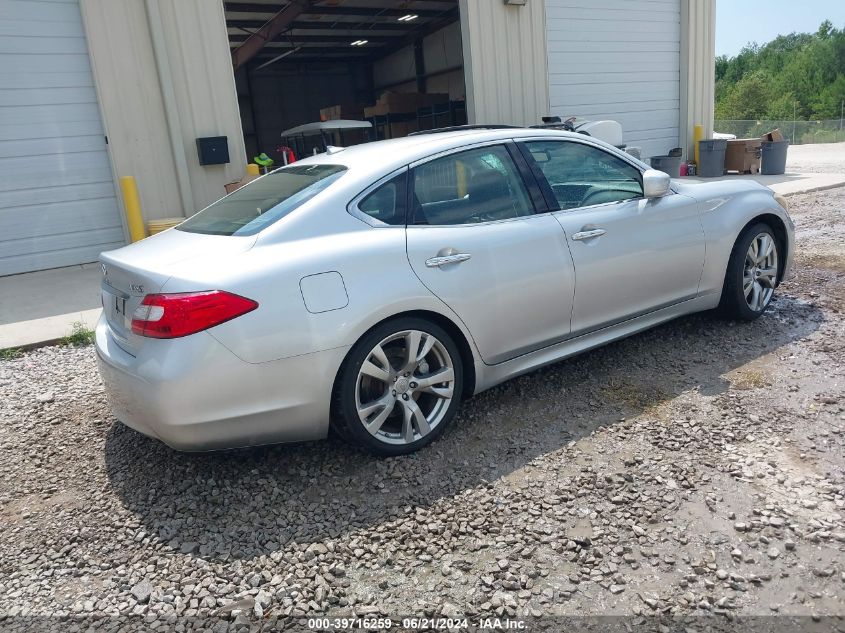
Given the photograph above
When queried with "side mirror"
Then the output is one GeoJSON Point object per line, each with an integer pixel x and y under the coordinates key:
{"type": "Point", "coordinates": [655, 183]}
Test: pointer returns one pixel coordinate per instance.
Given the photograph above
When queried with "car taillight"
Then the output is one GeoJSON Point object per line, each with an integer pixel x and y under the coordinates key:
{"type": "Point", "coordinates": [181, 314]}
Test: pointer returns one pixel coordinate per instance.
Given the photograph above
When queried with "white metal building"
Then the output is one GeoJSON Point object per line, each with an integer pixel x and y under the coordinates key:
{"type": "Point", "coordinates": [92, 90]}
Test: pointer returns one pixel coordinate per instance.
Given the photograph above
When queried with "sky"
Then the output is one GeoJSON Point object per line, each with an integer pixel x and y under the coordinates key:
{"type": "Point", "coordinates": [739, 22]}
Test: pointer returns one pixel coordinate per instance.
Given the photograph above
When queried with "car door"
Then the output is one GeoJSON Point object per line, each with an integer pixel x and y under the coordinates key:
{"type": "Point", "coordinates": [632, 255]}
{"type": "Point", "coordinates": [476, 242]}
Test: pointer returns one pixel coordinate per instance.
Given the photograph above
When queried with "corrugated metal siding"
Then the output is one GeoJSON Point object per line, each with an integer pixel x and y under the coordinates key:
{"type": "Point", "coordinates": [505, 61]}
{"type": "Point", "coordinates": [57, 196]}
{"type": "Point", "coordinates": [130, 97]}
{"type": "Point", "coordinates": [130, 94]}
{"type": "Point", "coordinates": [198, 49]}
{"type": "Point", "coordinates": [441, 50]}
{"type": "Point", "coordinates": [698, 81]}
{"type": "Point", "coordinates": [620, 60]}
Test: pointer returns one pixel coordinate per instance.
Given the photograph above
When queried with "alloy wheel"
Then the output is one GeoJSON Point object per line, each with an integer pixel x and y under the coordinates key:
{"type": "Point", "coordinates": [759, 276]}
{"type": "Point", "coordinates": [404, 387]}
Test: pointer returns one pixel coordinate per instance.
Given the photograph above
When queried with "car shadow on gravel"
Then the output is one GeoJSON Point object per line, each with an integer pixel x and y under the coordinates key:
{"type": "Point", "coordinates": [247, 503]}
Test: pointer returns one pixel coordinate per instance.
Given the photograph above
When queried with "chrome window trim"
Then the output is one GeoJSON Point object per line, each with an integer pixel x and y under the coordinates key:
{"type": "Point", "coordinates": [353, 209]}
{"type": "Point", "coordinates": [625, 157]}
{"type": "Point", "coordinates": [504, 142]}
{"type": "Point", "coordinates": [586, 140]}
{"type": "Point", "coordinates": [463, 148]}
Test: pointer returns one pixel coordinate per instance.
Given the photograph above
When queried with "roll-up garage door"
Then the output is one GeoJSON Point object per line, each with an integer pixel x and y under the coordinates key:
{"type": "Point", "coordinates": [57, 193]}
{"type": "Point", "coordinates": [620, 60]}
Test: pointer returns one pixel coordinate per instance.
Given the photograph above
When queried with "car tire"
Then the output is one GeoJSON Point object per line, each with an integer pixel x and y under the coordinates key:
{"type": "Point", "coordinates": [751, 276]}
{"type": "Point", "coordinates": [399, 408]}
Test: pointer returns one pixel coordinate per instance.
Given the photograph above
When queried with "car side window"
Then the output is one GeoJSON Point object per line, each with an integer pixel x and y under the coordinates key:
{"type": "Point", "coordinates": [477, 185]}
{"type": "Point", "coordinates": [387, 203]}
{"type": "Point", "coordinates": [581, 175]}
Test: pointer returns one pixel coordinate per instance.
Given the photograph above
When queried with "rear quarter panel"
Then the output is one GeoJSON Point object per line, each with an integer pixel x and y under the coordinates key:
{"type": "Point", "coordinates": [374, 268]}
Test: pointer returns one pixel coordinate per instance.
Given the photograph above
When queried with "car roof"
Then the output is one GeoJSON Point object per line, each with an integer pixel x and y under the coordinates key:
{"type": "Point", "coordinates": [388, 155]}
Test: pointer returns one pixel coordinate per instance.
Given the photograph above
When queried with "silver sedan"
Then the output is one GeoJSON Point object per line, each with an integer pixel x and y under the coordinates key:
{"type": "Point", "coordinates": [371, 289]}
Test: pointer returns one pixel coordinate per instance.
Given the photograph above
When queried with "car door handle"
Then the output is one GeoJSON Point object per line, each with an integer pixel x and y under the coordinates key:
{"type": "Point", "coordinates": [443, 260]}
{"type": "Point", "coordinates": [586, 235]}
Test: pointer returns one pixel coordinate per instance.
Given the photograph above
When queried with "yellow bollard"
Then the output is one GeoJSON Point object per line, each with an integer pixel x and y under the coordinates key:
{"type": "Point", "coordinates": [132, 206]}
{"type": "Point", "coordinates": [697, 135]}
{"type": "Point", "coordinates": [252, 170]}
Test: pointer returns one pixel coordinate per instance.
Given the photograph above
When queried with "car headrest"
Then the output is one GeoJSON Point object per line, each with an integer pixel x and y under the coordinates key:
{"type": "Point", "coordinates": [488, 184]}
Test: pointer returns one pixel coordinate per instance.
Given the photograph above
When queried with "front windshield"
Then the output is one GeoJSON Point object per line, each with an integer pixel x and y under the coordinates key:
{"type": "Point", "coordinates": [256, 206]}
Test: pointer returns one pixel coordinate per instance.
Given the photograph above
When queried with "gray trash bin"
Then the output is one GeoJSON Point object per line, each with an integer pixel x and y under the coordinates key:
{"type": "Point", "coordinates": [773, 162]}
{"type": "Point", "coordinates": [711, 155]}
{"type": "Point", "coordinates": [668, 164]}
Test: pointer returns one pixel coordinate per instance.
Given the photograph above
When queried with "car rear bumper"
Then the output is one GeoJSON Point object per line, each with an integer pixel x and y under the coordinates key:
{"type": "Point", "coordinates": [193, 394]}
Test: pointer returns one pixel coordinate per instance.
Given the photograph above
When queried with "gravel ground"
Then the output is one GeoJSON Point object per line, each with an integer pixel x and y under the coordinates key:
{"type": "Point", "coordinates": [694, 469]}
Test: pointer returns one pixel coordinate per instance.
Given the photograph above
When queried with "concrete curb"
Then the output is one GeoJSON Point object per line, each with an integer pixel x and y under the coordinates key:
{"type": "Point", "coordinates": [44, 331]}
{"type": "Point", "coordinates": [28, 347]}
{"type": "Point", "coordinates": [835, 185]}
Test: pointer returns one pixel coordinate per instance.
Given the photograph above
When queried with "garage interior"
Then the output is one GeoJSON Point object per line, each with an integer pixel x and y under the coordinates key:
{"type": "Point", "coordinates": [397, 64]}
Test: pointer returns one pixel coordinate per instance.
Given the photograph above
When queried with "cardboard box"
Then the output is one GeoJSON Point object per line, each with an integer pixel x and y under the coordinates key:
{"type": "Point", "coordinates": [342, 111]}
{"type": "Point", "coordinates": [743, 155]}
{"type": "Point", "coordinates": [399, 130]}
{"type": "Point", "coordinates": [234, 186]}
{"type": "Point", "coordinates": [774, 135]}
{"type": "Point", "coordinates": [403, 103]}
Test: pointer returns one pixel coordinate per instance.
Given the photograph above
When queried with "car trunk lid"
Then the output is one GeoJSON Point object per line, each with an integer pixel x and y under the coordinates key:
{"type": "Point", "coordinates": [132, 272]}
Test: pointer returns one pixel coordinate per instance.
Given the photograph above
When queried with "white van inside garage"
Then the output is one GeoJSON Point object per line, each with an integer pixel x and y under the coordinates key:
{"type": "Point", "coordinates": [58, 203]}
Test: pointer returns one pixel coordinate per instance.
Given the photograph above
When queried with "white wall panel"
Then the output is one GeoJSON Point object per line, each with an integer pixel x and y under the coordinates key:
{"type": "Point", "coordinates": [45, 45]}
{"type": "Point", "coordinates": [396, 67]}
{"type": "Point", "coordinates": [57, 196]}
{"type": "Point", "coordinates": [618, 59]}
{"type": "Point", "coordinates": [131, 97]}
{"type": "Point", "coordinates": [698, 81]}
{"type": "Point", "coordinates": [505, 61]}
{"type": "Point", "coordinates": [442, 50]}
{"type": "Point", "coordinates": [50, 129]}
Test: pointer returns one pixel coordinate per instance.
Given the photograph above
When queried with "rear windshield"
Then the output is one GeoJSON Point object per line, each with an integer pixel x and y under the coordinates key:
{"type": "Point", "coordinates": [258, 205]}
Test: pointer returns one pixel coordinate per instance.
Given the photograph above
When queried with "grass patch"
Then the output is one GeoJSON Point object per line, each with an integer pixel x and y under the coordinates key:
{"type": "Point", "coordinates": [79, 335]}
{"type": "Point", "coordinates": [11, 353]}
{"type": "Point", "coordinates": [750, 379]}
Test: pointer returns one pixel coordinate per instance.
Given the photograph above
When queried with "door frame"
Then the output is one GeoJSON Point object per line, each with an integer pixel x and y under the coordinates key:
{"type": "Point", "coordinates": [529, 179]}
{"type": "Point", "coordinates": [543, 182]}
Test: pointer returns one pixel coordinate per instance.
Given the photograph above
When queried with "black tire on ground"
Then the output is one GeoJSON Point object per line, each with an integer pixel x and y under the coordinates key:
{"type": "Point", "coordinates": [344, 415]}
{"type": "Point", "coordinates": [733, 304]}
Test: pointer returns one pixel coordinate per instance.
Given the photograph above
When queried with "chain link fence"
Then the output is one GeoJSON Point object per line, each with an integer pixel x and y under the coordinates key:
{"type": "Point", "coordinates": [797, 132]}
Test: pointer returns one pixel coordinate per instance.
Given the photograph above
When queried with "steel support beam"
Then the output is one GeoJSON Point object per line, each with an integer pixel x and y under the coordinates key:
{"type": "Point", "coordinates": [303, 23]}
{"type": "Point", "coordinates": [251, 7]}
{"type": "Point", "coordinates": [344, 40]}
{"type": "Point", "coordinates": [267, 33]}
{"type": "Point", "coordinates": [419, 65]}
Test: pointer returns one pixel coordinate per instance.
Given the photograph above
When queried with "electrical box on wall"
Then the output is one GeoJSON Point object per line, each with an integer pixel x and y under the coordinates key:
{"type": "Point", "coordinates": [213, 150]}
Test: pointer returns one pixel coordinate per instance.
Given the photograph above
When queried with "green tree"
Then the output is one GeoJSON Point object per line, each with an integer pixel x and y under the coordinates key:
{"type": "Point", "coordinates": [828, 105]}
{"type": "Point", "coordinates": [748, 99]}
{"type": "Point", "coordinates": [799, 74]}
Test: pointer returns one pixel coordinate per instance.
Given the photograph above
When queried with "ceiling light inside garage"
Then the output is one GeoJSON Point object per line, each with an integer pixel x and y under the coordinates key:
{"type": "Point", "coordinates": [359, 42]}
{"type": "Point", "coordinates": [408, 18]}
